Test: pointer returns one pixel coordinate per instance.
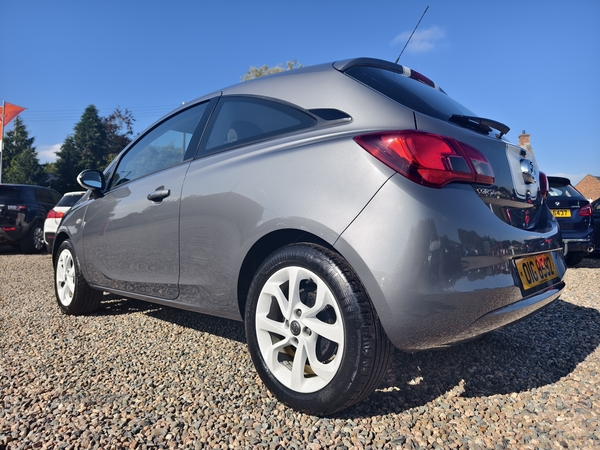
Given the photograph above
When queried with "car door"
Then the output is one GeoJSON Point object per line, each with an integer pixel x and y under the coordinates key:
{"type": "Point", "coordinates": [217, 214]}
{"type": "Point", "coordinates": [131, 234]}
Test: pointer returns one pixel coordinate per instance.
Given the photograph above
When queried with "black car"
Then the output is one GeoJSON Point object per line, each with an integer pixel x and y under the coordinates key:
{"type": "Point", "coordinates": [574, 214]}
{"type": "Point", "coordinates": [23, 209]}
{"type": "Point", "coordinates": [596, 217]}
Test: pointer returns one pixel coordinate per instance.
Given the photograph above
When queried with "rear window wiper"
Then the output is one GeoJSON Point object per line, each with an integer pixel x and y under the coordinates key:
{"type": "Point", "coordinates": [479, 124]}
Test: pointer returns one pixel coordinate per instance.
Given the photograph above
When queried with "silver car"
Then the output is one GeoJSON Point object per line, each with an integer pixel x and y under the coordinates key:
{"type": "Point", "coordinates": [339, 210]}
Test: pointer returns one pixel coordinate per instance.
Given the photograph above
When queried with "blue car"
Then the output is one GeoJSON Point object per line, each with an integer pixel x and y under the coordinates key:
{"type": "Point", "coordinates": [574, 215]}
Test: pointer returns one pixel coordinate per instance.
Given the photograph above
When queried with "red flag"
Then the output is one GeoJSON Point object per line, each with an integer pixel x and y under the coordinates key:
{"type": "Point", "coordinates": [7, 114]}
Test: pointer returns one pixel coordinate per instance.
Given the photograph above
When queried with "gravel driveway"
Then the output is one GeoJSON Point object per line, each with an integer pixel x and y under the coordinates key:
{"type": "Point", "coordinates": [136, 375]}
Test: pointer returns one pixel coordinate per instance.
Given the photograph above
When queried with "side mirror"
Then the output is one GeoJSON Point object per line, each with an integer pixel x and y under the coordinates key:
{"type": "Point", "coordinates": [93, 180]}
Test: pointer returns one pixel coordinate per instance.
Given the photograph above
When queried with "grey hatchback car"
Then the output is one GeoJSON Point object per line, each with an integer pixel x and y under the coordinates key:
{"type": "Point", "coordinates": [339, 210]}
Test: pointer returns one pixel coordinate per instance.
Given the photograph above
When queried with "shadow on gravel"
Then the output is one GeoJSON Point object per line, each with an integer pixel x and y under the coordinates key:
{"type": "Point", "coordinates": [533, 353]}
{"type": "Point", "coordinates": [226, 328]}
{"type": "Point", "coordinates": [591, 262]}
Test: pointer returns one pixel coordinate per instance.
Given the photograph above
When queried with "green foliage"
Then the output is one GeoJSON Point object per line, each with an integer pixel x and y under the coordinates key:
{"type": "Point", "coordinates": [67, 166]}
{"type": "Point", "coordinates": [20, 164]}
{"type": "Point", "coordinates": [90, 140]}
{"type": "Point", "coordinates": [257, 72]}
{"type": "Point", "coordinates": [119, 131]}
{"type": "Point", "coordinates": [96, 141]}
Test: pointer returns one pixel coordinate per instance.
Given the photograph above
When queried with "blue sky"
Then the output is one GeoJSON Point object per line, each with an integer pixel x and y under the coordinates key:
{"type": "Point", "coordinates": [529, 64]}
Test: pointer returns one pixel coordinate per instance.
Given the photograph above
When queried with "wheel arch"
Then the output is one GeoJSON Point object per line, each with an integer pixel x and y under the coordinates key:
{"type": "Point", "coordinates": [262, 249]}
{"type": "Point", "coordinates": [58, 240]}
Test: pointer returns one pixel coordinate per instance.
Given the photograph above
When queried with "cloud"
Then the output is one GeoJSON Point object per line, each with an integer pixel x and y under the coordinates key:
{"type": "Point", "coordinates": [422, 40]}
{"type": "Point", "coordinates": [47, 153]}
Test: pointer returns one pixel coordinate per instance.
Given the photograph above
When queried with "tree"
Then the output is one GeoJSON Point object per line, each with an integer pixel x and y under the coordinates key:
{"type": "Point", "coordinates": [90, 140]}
{"type": "Point", "coordinates": [119, 131]}
{"type": "Point", "coordinates": [95, 142]}
{"type": "Point", "coordinates": [67, 166]}
{"type": "Point", "coordinates": [256, 72]}
{"type": "Point", "coordinates": [20, 163]}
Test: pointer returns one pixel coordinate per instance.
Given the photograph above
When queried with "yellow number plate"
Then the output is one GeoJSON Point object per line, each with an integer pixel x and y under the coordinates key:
{"type": "Point", "coordinates": [561, 212]}
{"type": "Point", "coordinates": [535, 270]}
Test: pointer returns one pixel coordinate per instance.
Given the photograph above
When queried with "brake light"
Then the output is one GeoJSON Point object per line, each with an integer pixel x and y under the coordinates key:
{"type": "Point", "coordinates": [16, 207]}
{"type": "Point", "coordinates": [55, 214]}
{"type": "Point", "coordinates": [585, 211]}
{"type": "Point", "coordinates": [409, 73]}
{"type": "Point", "coordinates": [428, 159]}
{"type": "Point", "coordinates": [544, 186]}
{"type": "Point", "coordinates": [9, 228]}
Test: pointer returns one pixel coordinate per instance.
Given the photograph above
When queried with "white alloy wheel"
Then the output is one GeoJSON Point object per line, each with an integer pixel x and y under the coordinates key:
{"type": "Point", "coordinates": [73, 295]}
{"type": "Point", "coordinates": [299, 329]}
{"type": "Point", "coordinates": [65, 277]}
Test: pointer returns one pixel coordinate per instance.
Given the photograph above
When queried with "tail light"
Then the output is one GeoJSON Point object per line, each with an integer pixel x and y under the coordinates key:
{"type": "Point", "coordinates": [9, 228]}
{"type": "Point", "coordinates": [428, 159]}
{"type": "Point", "coordinates": [544, 186]}
{"type": "Point", "coordinates": [55, 214]}
{"type": "Point", "coordinates": [585, 211]}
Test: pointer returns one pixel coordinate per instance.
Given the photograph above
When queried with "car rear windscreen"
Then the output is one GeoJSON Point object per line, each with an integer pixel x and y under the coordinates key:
{"type": "Point", "coordinates": [408, 92]}
{"type": "Point", "coordinates": [9, 193]}
{"type": "Point", "coordinates": [69, 200]}
{"type": "Point", "coordinates": [557, 190]}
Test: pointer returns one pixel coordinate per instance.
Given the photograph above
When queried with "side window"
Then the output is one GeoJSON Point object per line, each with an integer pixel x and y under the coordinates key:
{"type": "Point", "coordinates": [44, 196]}
{"type": "Point", "coordinates": [241, 120]}
{"type": "Point", "coordinates": [55, 196]}
{"type": "Point", "coordinates": [165, 146]}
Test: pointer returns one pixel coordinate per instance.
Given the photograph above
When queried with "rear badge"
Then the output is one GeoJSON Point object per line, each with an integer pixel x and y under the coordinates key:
{"type": "Point", "coordinates": [528, 170]}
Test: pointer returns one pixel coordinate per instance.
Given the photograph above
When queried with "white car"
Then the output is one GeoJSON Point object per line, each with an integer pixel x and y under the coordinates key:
{"type": "Point", "coordinates": [55, 215]}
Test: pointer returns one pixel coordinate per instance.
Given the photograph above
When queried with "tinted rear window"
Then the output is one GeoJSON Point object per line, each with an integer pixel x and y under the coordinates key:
{"type": "Point", "coordinates": [408, 92]}
{"type": "Point", "coordinates": [69, 200]}
{"type": "Point", "coordinates": [564, 191]}
{"type": "Point", "coordinates": [10, 193]}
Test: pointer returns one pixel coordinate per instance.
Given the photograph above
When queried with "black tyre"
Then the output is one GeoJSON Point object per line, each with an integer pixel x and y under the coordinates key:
{"type": "Point", "coordinates": [34, 242]}
{"type": "Point", "coordinates": [314, 337]}
{"type": "Point", "coordinates": [574, 258]}
{"type": "Point", "coordinates": [73, 294]}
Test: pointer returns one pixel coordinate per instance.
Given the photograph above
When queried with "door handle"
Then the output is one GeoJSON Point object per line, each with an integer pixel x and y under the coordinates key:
{"type": "Point", "coordinates": [159, 195]}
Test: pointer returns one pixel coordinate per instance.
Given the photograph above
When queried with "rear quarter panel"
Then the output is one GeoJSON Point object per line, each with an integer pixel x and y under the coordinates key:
{"type": "Point", "coordinates": [231, 200]}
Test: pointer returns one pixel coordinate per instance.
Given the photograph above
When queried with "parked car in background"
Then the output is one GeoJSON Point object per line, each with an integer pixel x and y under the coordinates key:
{"type": "Point", "coordinates": [339, 210]}
{"type": "Point", "coordinates": [574, 214]}
{"type": "Point", "coordinates": [56, 214]}
{"type": "Point", "coordinates": [23, 209]}
{"type": "Point", "coordinates": [596, 218]}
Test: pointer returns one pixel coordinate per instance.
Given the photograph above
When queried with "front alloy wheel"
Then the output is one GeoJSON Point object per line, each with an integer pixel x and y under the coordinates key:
{"type": "Point", "coordinates": [73, 294]}
{"type": "Point", "coordinates": [65, 278]}
{"type": "Point", "coordinates": [313, 335]}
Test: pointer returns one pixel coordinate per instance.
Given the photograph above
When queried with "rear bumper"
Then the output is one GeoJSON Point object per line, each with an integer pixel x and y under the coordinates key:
{"type": "Point", "coordinates": [510, 314]}
{"type": "Point", "coordinates": [580, 242]}
{"type": "Point", "coordinates": [49, 239]}
{"type": "Point", "coordinates": [441, 268]}
{"type": "Point", "coordinates": [12, 236]}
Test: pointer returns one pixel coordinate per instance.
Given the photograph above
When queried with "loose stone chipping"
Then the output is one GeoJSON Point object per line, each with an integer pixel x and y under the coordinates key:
{"type": "Point", "coordinates": [137, 375]}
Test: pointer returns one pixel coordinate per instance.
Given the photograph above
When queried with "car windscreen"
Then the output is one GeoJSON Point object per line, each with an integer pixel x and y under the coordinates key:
{"type": "Point", "coordinates": [9, 193]}
{"type": "Point", "coordinates": [408, 92]}
{"type": "Point", "coordinates": [69, 200]}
